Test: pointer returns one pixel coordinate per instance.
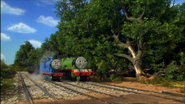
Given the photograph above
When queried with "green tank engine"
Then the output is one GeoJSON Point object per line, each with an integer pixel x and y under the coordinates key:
{"type": "Point", "coordinates": [74, 68]}
{"type": "Point", "coordinates": [74, 63]}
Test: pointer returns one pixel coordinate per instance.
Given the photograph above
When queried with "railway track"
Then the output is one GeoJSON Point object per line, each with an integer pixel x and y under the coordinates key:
{"type": "Point", "coordinates": [81, 93]}
{"type": "Point", "coordinates": [164, 94]}
{"type": "Point", "coordinates": [91, 90]}
{"type": "Point", "coordinates": [24, 88]}
{"type": "Point", "coordinates": [119, 88]}
{"type": "Point", "coordinates": [112, 98]}
{"type": "Point", "coordinates": [28, 95]}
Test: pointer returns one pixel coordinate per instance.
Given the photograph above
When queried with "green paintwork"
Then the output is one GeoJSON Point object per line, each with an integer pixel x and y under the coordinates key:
{"type": "Point", "coordinates": [78, 78]}
{"type": "Point", "coordinates": [73, 75]}
{"type": "Point", "coordinates": [67, 63]}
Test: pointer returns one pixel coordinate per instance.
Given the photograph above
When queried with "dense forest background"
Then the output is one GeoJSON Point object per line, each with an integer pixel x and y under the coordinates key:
{"type": "Point", "coordinates": [118, 37]}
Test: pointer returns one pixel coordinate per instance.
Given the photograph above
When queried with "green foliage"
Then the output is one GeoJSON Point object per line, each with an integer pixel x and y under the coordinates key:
{"type": "Point", "coordinates": [11, 66]}
{"type": "Point", "coordinates": [7, 84]}
{"type": "Point", "coordinates": [18, 68]}
{"type": "Point", "coordinates": [87, 29]}
{"type": "Point", "coordinates": [156, 80]}
{"type": "Point", "coordinates": [182, 61]}
{"type": "Point", "coordinates": [5, 75]}
{"type": "Point", "coordinates": [22, 56]}
{"type": "Point", "coordinates": [173, 72]}
{"type": "Point", "coordinates": [113, 76]}
{"type": "Point", "coordinates": [180, 77]}
{"type": "Point", "coordinates": [3, 65]}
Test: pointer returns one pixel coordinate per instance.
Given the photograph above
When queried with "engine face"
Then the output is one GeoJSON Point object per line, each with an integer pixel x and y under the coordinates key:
{"type": "Point", "coordinates": [56, 64]}
{"type": "Point", "coordinates": [81, 62]}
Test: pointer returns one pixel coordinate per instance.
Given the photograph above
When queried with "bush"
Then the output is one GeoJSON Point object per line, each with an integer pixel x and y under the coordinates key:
{"type": "Point", "coordinates": [173, 72]}
{"type": "Point", "coordinates": [118, 79]}
{"type": "Point", "coordinates": [108, 80]}
{"type": "Point", "coordinates": [113, 76]}
{"type": "Point", "coordinates": [11, 67]}
{"type": "Point", "coordinates": [180, 77]}
{"type": "Point", "coordinates": [5, 73]}
{"type": "Point", "coordinates": [17, 68]}
{"type": "Point", "coordinates": [3, 65]}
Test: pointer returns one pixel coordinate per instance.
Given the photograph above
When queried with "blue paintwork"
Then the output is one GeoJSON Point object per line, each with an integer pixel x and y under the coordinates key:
{"type": "Point", "coordinates": [45, 66]}
{"type": "Point", "coordinates": [47, 77]}
{"type": "Point", "coordinates": [41, 70]}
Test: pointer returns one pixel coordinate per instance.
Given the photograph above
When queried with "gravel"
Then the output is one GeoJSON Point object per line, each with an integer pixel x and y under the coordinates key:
{"type": "Point", "coordinates": [126, 89]}
{"type": "Point", "coordinates": [60, 92]}
{"type": "Point", "coordinates": [100, 89]}
{"type": "Point", "coordinates": [57, 91]}
{"type": "Point", "coordinates": [35, 92]}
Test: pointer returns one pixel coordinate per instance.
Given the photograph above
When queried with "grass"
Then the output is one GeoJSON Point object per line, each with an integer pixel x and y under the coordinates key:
{"type": "Point", "coordinates": [7, 84]}
{"type": "Point", "coordinates": [159, 81]}
{"type": "Point", "coordinates": [97, 79]}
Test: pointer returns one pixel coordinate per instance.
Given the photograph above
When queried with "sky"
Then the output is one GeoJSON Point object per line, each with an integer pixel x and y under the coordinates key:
{"type": "Point", "coordinates": [27, 20]}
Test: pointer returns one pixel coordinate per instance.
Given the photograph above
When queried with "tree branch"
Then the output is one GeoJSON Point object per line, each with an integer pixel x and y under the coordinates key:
{"type": "Point", "coordinates": [182, 66]}
{"type": "Point", "coordinates": [124, 56]}
{"type": "Point", "coordinates": [115, 72]}
{"type": "Point", "coordinates": [132, 18]}
{"type": "Point", "coordinates": [135, 61]}
{"type": "Point", "coordinates": [88, 25]}
{"type": "Point", "coordinates": [131, 68]}
{"type": "Point", "coordinates": [141, 16]}
{"type": "Point", "coordinates": [120, 68]}
{"type": "Point", "coordinates": [128, 18]}
{"type": "Point", "coordinates": [162, 70]}
{"type": "Point", "coordinates": [142, 39]}
{"type": "Point", "coordinates": [118, 21]}
{"type": "Point", "coordinates": [148, 69]}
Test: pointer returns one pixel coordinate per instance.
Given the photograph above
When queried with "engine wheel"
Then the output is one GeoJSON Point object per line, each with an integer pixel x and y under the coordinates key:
{"type": "Point", "coordinates": [55, 79]}
{"type": "Point", "coordinates": [82, 78]}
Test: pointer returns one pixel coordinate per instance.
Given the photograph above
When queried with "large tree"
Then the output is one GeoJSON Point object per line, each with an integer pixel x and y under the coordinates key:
{"type": "Point", "coordinates": [22, 56]}
{"type": "Point", "coordinates": [136, 30]}
{"type": "Point", "coordinates": [139, 29]}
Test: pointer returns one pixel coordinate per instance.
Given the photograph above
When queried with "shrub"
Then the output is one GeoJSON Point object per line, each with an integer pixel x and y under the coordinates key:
{"type": "Point", "coordinates": [173, 72]}
{"type": "Point", "coordinates": [113, 76]}
{"type": "Point", "coordinates": [5, 74]}
{"type": "Point", "coordinates": [3, 65]}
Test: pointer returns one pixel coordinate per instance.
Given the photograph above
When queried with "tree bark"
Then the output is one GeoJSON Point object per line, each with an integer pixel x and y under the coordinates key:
{"type": "Point", "coordinates": [135, 59]}
{"type": "Point", "coordinates": [137, 68]}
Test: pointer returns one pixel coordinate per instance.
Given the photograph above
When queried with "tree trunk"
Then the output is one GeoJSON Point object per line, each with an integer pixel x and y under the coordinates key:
{"type": "Point", "coordinates": [137, 68]}
{"type": "Point", "coordinates": [136, 61]}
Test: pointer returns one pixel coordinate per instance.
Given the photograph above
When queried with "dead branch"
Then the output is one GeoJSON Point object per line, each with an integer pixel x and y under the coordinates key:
{"type": "Point", "coordinates": [163, 75]}
{"type": "Point", "coordinates": [182, 66]}
{"type": "Point", "coordinates": [115, 72]}
{"type": "Point", "coordinates": [162, 69]}
{"type": "Point", "coordinates": [119, 67]}
{"type": "Point", "coordinates": [148, 69]}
